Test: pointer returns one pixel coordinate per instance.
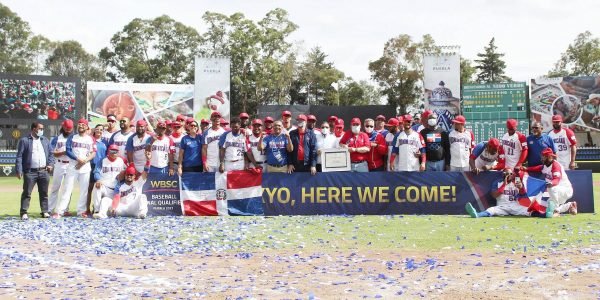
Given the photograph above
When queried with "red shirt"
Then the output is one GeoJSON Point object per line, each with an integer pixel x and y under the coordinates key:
{"type": "Point", "coordinates": [377, 154]}
{"type": "Point", "coordinates": [356, 141]}
{"type": "Point", "coordinates": [301, 145]}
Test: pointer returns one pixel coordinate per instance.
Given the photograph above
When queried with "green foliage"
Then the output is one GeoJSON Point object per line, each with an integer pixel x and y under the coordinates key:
{"type": "Point", "coordinates": [399, 71]}
{"type": "Point", "coordinates": [315, 80]}
{"type": "Point", "coordinates": [358, 93]}
{"type": "Point", "coordinates": [16, 51]}
{"type": "Point", "coordinates": [490, 65]}
{"type": "Point", "coordinates": [581, 58]}
{"type": "Point", "coordinates": [466, 71]}
{"type": "Point", "coordinates": [160, 50]}
{"type": "Point", "coordinates": [71, 60]}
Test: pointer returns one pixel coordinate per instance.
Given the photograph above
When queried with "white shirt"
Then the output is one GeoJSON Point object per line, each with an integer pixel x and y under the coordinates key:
{"type": "Point", "coordinates": [211, 139]}
{"type": "Point", "coordinates": [389, 138]}
{"type": "Point", "coordinates": [509, 195]}
{"type": "Point", "coordinates": [160, 150]}
{"type": "Point", "coordinates": [563, 140]}
{"type": "Point", "coordinates": [325, 141]}
{"type": "Point", "coordinates": [109, 170]}
{"type": "Point", "coordinates": [128, 193]}
{"type": "Point", "coordinates": [409, 145]}
{"type": "Point", "coordinates": [235, 146]}
{"type": "Point", "coordinates": [106, 135]}
{"type": "Point", "coordinates": [556, 169]}
{"type": "Point", "coordinates": [138, 147]}
{"type": "Point", "coordinates": [177, 141]}
{"type": "Point", "coordinates": [38, 155]}
{"type": "Point", "coordinates": [61, 146]}
{"type": "Point", "coordinates": [513, 147]}
{"type": "Point", "coordinates": [461, 144]}
{"type": "Point", "coordinates": [81, 146]}
{"type": "Point", "coordinates": [259, 156]}
{"type": "Point", "coordinates": [120, 140]}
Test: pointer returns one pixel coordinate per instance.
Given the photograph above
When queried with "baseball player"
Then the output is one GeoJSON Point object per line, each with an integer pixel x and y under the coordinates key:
{"type": "Point", "coordinates": [160, 150]}
{"type": "Point", "coordinates": [233, 149]}
{"type": "Point", "coordinates": [107, 173]}
{"type": "Point", "coordinates": [514, 145]}
{"type": "Point", "coordinates": [268, 125]}
{"type": "Point", "coordinates": [411, 145]}
{"type": "Point", "coordinates": [393, 125]}
{"type": "Point", "coordinates": [136, 146]}
{"type": "Point", "coordinates": [487, 156]}
{"type": "Point", "coordinates": [120, 137]}
{"type": "Point", "coordinates": [462, 142]}
{"type": "Point", "coordinates": [128, 200]}
{"type": "Point", "coordinates": [58, 146]}
{"type": "Point", "coordinates": [558, 185]}
{"type": "Point", "coordinates": [259, 156]}
{"type": "Point", "coordinates": [210, 148]}
{"type": "Point", "coordinates": [506, 190]}
{"type": "Point", "coordinates": [81, 149]}
{"type": "Point", "coordinates": [111, 129]}
{"type": "Point", "coordinates": [286, 120]}
{"type": "Point", "coordinates": [378, 151]}
{"type": "Point", "coordinates": [380, 125]}
{"type": "Point", "coordinates": [565, 143]}
{"type": "Point", "coordinates": [204, 123]}
{"type": "Point", "coordinates": [245, 125]}
{"type": "Point", "coordinates": [177, 134]}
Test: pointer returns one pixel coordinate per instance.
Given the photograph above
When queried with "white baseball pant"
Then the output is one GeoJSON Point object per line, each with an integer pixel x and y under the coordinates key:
{"type": "Point", "coordinates": [84, 181]}
{"type": "Point", "coordinates": [234, 165]}
{"type": "Point", "coordinates": [559, 195]}
{"type": "Point", "coordinates": [508, 209]}
{"type": "Point", "coordinates": [99, 193]}
{"type": "Point", "coordinates": [135, 208]}
{"type": "Point", "coordinates": [58, 176]}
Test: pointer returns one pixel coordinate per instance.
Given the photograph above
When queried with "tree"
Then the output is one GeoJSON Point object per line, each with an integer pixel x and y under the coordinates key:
{"type": "Point", "coordinates": [71, 60]}
{"type": "Point", "coordinates": [16, 51]}
{"type": "Point", "coordinates": [313, 83]}
{"type": "Point", "coordinates": [160, 50]}
{"type": "Point", "coordinates": [358, 93]}
{"type": "Point", "coordinates": [582, 57]}
{"type": "Point", "coordinates": [399, 71]}
{"type": "Point", "coordinates": [466, 71]}
{"type": "Point", "coordinates": [490, 65]}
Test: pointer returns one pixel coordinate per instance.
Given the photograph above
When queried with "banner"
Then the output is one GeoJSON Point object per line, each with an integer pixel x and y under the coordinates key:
{"type": "Point", "coordinates": [383, 193]}
{"type": "Point", "coordinates": [162, 193]}
{"type": "Point", "coordinates": [212, 87]}
{"type": "Point", "coordinates": [576, 99]}
{"type": "Point", "coordinates": [441, 77]}
{"type": "Point", "coordinates": [138, 101]}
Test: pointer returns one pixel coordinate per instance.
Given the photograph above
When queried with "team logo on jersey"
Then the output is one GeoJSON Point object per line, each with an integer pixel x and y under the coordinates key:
{"type": "Point", "coordinates": [434, 137]}
{"type": "Point", "coordinates": [221, 194]}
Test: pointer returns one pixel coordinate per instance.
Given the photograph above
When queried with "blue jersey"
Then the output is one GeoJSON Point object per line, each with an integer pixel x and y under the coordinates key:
{"type": "Point", "coordinates": [276, 149]}
{"type": "Point", "coordinates": [192, 150]}
{"type": "Point", "coordinates": [535, 146]}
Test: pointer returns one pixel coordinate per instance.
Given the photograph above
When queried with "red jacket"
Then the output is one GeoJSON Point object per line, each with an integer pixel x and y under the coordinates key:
{"type": "Point", "coordinates": [377, 154]}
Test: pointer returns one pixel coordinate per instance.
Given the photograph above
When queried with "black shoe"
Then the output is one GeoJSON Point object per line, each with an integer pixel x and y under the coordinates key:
{"type": "Point", "coordinates": [45, 215]}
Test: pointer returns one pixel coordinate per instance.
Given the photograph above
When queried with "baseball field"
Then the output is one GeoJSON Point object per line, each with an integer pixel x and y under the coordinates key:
{"type": "Point", "coordinates": [314, 257]}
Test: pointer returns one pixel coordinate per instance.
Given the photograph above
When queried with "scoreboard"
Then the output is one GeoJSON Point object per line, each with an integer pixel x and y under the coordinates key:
{"type": "Point", "coordinates": [488, 106]}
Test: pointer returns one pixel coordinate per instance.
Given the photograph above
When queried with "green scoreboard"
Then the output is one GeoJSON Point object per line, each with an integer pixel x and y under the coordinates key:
{"type": "Point", "coordinates": [488, 106]}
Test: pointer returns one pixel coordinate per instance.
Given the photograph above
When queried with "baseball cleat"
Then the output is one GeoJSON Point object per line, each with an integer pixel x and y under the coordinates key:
{"type": "Point", "coordinates": [24, 217]}
{"type": "Point", "coordinates": [99, 216]}
{"type": "Point", "coordinates": [55, 216]}
{"type": "Point", "coordinates": [45, 215]}
{"type": "Point", "coordinates": [550, 209]}
{"type": "Point", "coordinates": [573, 208]}
{"type": "Point", "coordinates": [471, 210]}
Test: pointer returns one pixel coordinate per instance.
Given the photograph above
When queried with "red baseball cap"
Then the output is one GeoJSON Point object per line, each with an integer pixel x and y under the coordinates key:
{"type": "Point", "coordinates": [355, 121]}
{"type": "Point", "coordinates": [548, 152]}
{"type": "Point", "coordinates": [312, 118]}
{"type": "Point", "coordinates": [140, 123]}
{"type": "Point", "coordinates": [83, 121]}
{"type": "Point", "coordinates": [400, 119]}
{"type": "Point", "coordinates": [189, 120]}
{"type": "Point", "coordinates": [215, 114]}
{"type": "Point", "coordinates": [161, 124]}
{"type": "Point", "coordinates": [407, 118]}
{"type": "Point", "coordinates": [244, 116]}
{"type": "Point", "coordinates": [494, 142]}
{"type": "Point", "coordinates": [426, 114]}
{"type": "Point", "coordinates": [204, 121]}
{"type": "Point", "coordinates": [301, 117]}
{"type": "Point", "coordinates": [511, 124]}
{"type": "Point", "coordinates": [111, 118]}
{"type": "Point", "coordinates": [67, 124]}
{"type": "Point", "coordinates": [459, 120]}
{"type": "Point", "coordinates": [557, 118]}
{"type": "Point", "coordinates": [169, 122]}
{"type": "Point", "coordinates": [380, 117]}
{"type": "Point", "coordinates": [257, 121]}
{"type": "Point", "coordinates": [286, 113]}
{"type": "Point", "coordinates": [113, 147]}
{"type": "Point", "coordinates": [180, 118]}
{"type": "Point", "coordinates": [392, 122]}
{"type": "Point", "coordinates": [268, 119]}
{"type": "Point", "coordinates": [224, 122]}
{"type": "Point", "coordinates": [339, 122]}
{"type": "Point", "coordinates": [130, 170]}
{"type": "Point", "coordinates": [332, 118]}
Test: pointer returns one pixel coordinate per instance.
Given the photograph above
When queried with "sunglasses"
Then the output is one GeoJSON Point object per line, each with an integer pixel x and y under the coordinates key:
{"type": "Point", "coordinates": [123, 121]}
{"type": "Point", "coordinates": [193, 125]}
{"type": "Point", "coordinates": [111, 121]}
{"type": "Point", "coordinates": [535, 127]}
{"type": "Point", "coordinates": [113, 151]}
{"type": "Point", "coordinates": [369, 126]}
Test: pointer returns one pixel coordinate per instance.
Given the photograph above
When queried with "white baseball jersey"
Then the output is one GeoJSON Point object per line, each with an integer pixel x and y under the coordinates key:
{"type": "Point", "coordinates": [160, 150]}
{"type": "Point", "coordinates": [563, 140]}
{"type": "Point", "coordinates": [138, 145]}
{"type": "Point", "coordinates": [120, 140]}
{"type": "Point", "coordinates": [177, 140]}
{"type": "Point", "coordinates": [408, 145]}
{"type": "Point", "coordinates": [556, 170]}
{"type": "Point", "coordinates": [509, 195]}
{"type": "Point", "coordinates": [483, 157]}
{"type": "Point", "coordinates": [108, 171]}
{"type": "Point", "coordinates": [127, 192]}
{"type": "Point", "coordinates": [513, 147]}
{"type": "Point", "coordinates": [389, 139]}
{"type": "Point", "coordinates": [235, 146]}
{"type": "Point", "coordinates": [211, 139]}
{"type": "Point", "coordinates": [461, 144]}
{"type": "Point", "coordinates": [106, 135]}
{"type": "Point", "coordinates": [61, 146]}
{"type": "Point", "coordinates": [259, 156]}
{"type": "Point", "coordinates": [81, 147]}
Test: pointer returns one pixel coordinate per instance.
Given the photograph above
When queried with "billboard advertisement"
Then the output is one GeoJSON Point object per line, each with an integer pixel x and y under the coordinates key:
{"type": "Point", "coordinates": [575, 99]}
{"type": "Point", "coordinates": [441, 78]}
{"type": "Point", "coordinates": [39, 97]}
{"type": "Point", "coordinates": [212, 87]}
{"type": "Point", "coordinates": [139, 101]}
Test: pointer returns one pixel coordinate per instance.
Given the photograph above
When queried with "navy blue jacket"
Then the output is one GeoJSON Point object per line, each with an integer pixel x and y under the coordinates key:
{"type": "Point", "coordinates": [24, 149]}
{"type": "Point", "coordinates": [310, 148]}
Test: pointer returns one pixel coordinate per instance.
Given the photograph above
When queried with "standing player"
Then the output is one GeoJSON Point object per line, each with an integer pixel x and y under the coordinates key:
{"type": "Point", "coordinates": [259, 156]}
{"type": "Point", "coordinates": [111, 128]}
{"type": "Point", "coordinates": [565, 142]}
{"type": "Point", "coordinates": [462, 142]}
{"type": "Point", "coordinates": [160, 150]}
{"type": "Point", "coordinates": [411, 145]}
{"type": "Point", "coordinates": [210, 148]}
{"type": "Point", "coordinates": [136, 146]}
{"type": "Point", "coordinates": [487, 156]}
{"type": "Point", "coordinates": [108, 172]}
{"type": "Point", "coordinates": [286, 120]}
{"type": "Point", "coordinates": [204, 123]}
{"type": "Point", "coordinates": [358, 144]}
{"type": "Point", "coordinates": [120, 138]}
{"type": "Point", "coordinates": [393, 125]}
{"type": "Point", "coordinates": [378, 150]}
{"type": "Point", "coordinates": [380, 125]}
{"type": "Point", "coordinates": [128, 200]}
{"type": "Point", "coordinates": [233, 149]}
{"type": "Point", "coordinates": [514, 145]}
{"type": "Point", "coordinates": [177, 134]}
{"type": "Point", "coordinates": [81, 149]}
{"type": "Point", "coordinates": [58, 146]}
{"type": "Point", "coordinates": [268, 125]}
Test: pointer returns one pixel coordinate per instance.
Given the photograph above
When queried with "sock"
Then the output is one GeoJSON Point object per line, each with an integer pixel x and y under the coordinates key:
{"type": "Point", "coordinates": [483, 214]}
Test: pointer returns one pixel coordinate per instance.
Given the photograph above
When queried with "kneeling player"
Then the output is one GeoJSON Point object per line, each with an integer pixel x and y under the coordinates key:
{"type": "Point", "coordinates": [506, 191]}
{"type": "Point", "coordinates": [129, 200]}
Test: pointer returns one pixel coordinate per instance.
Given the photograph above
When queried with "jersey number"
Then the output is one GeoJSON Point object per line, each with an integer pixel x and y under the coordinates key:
{"type": "Point", "coordinates": [562, 147]}
{"type": "Point", "coordinates": [511, 151]}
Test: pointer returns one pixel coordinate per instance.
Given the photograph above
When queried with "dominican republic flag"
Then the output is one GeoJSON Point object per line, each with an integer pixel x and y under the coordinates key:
{"type": "Point", "coordinates": [434, 137]}
{"type": "Point", "coordinates": [536, 198]}
{"type": "Point", "coordinates": [231, 193]}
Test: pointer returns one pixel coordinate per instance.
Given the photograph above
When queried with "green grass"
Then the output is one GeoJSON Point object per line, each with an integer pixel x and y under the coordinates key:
{"type": "Point", "coordinates": [10, 198]}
